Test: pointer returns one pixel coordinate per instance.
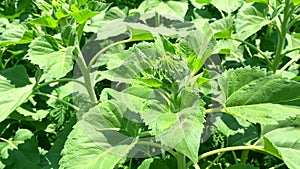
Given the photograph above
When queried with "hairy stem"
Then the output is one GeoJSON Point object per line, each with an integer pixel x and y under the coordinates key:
{"type": "Point", "coordinates": [87, 78]}
{"type": "Point", "coordinates": [251, 147]}
{"type": "Point", "coordinates": [287, 12]}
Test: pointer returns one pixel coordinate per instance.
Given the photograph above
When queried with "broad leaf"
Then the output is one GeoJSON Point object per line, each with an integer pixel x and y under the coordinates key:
{"type": "Point", "coordinates": [16, 34]}
{"type": "Point", "coordinates": [286, 143]}
{"type": "Point", "coordinates": [173, 8]}
{"type": "Point", "coordinates": [250, 19]}
{"type": "Point", "coordinates": [227, 5]}
{"type": "Point", "coordinates": [46, 21]}
{"type": "Point", "coordinates": [95, 143]}
{"type": "Point", "coordinates": [254, 95]}
{"type": "Point", "coordinates": [55, 62]}
{"type": "Point", "coordinates": [14, 90]}
{"type": "Point", "coordinates": [21, 151]}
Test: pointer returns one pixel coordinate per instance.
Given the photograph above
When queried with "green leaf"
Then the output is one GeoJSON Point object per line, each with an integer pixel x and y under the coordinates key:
{"type": "Point", "coordinates": [83, 15]}
{"type": "Point", "coordinates": [228, 6]}
{"type": "Point", "coordinates": [173, 8]}
{"type": "Point", "coordinates": [14, 90]}
{"type": "Point", "coordinates": [200, 3]}
{"type": "Point", "coordinates": [21, 151]}
{"type": "Point", "coordinates": [250, 19]}
{"type": "Point", "coordinates": [296, 2]}
{"type": "Point", "coordinates": [29, 114]}
{"type": "Point", "coordinates": [180, 130]}
{"type": "Point", "coordinates": [222, 28]}
{"type": "Point", "coordinates": [287, 142]}
{"type": "Point", "coordinates": [21, 136]}
{"type": "Point", "coordinates": [16, 34]}
{"type": "Point", "coordinates": [201, 43]}
{"type": "Point", "coordinates": [254, 95]}
{"type": "Point", "coordinates": [238, 131]}
{"type": "Point", "coordinates": [95, 143]}
{"type": "Point", "coordinates": [45, 53]}
{"type": "Point", "coordinates": [46, 21]}
{"type": "Point", "coordinates": [140, 34]}
{"type": "Point", "coordinates": [152, 163]}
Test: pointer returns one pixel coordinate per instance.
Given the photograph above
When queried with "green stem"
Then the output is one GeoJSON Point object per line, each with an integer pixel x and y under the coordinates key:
{"type": "Point", "coordinates": [295, 59]}
{"type": "Point", "coordinates": [254, 48]}
{"type": "Point", "coordinates": [216, 159]}
{"type": "Point", "coordinates": [244, 156]}
{"type": "Point", "coordinates": [58, 99]}
{"type": "Point", "coordinates": [213, 152]}
{"type": "Point", "coordinates": [86, 75]}
{"type": "Point", "coordinates": [2, 67]}
{"type": "Point", "coordinates": [147, 143]}
{"type": "Point", "coordinates": [9, 142]}
{"type": "Point", "coordinates": [215, 110]}
{"type": "Point", "coordinates": [181, 162]}
{"type": "Point", "coordinates": [291, 50]}
{"type": "Point", "coordinates": [130, 164]}
{"type": "Point", "coordinates": [234, 156]}
{"type": "Point", "coordinates": [287, 12]}
{"type": "Point", "coordinates": [95, 58]}
{"type": "Point", "coordinates": [59, 80]}
{"type": "Point", "coordinates": [145, 134]}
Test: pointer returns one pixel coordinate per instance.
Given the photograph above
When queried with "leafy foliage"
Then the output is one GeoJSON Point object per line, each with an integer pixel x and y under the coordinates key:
{"type": "Point", "coordinates": [149, 84]}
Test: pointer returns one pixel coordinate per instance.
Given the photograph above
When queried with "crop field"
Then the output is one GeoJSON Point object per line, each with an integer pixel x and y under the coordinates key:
{"type": "Point", "coordinates": [149, 84]}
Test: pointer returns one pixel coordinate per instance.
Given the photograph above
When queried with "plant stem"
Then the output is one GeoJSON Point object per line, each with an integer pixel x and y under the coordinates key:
{"type": "Point", "coordinates": [58, 99]}
{"type": "Point", "coordinates": [287, 12]}
{"type": "Point", "coordinates": [213, 152]}
{"type": "Point", "coordinates": [214, 110]}
{"type": "Point", "coordinates": [244, 156]}
{"type": "Point", "coordinates": [295, 59]}
{"type": "Point", "coordinates": [95, 58]}
{"type": "Point", "coordinates": [216, 159]}
{"type": "Point", "coordinates": [291, 50]}
{"type": "Point", "coordinates": [255, 48]}
{"type": "Point", "coordinates": [86, 75]}
{"type": "Point", "coordinates": [181, 162]}
{"type": "Point", "coordinates": [147, 143]}
{"type": "Point", "coordinates": [9, 142]}
{"type": "Point", "coordinates": [234, 156]}
{"type": "Point", "coordinates": [59, 80]}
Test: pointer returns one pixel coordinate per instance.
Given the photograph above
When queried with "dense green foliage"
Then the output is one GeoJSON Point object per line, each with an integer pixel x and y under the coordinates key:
{"type": "Point", "coordinates": [149, 84]}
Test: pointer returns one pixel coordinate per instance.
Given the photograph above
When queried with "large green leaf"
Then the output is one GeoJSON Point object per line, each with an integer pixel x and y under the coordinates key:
{"type": "Point", "coordinates": [227, 5]}
{"type": "Point", "coordinates": [45, 53]}
{"type": "Point", "coordinates": [15, 88]}
{"type": "Point", "coordinates": [250, 19]}
{"type": "Point", "coordinates": [180, 130]}
{"type": "Point", "coordinates": [95, 141]}
{"type": "Point", "coordinates": [260, 97]}
{"type": "Point", "coordinates": [285, 142]}
{"type": "Point", "coordinates": [16, 34]}
{"type": "Point", "coordinates": [173, 8]}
